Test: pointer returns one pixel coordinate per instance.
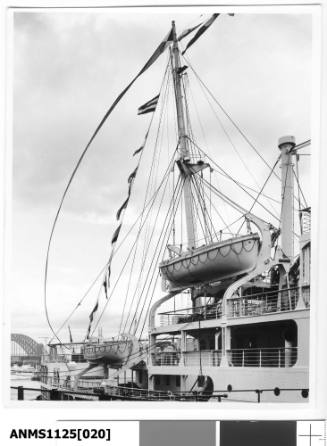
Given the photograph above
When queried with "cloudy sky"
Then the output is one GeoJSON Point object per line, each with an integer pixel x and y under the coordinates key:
{"type": "Point", "coordinates": [68, 68]}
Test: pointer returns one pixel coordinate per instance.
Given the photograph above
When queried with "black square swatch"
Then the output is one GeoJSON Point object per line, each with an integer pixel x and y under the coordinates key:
{"type": "Point", "coordinates": [257, 433]}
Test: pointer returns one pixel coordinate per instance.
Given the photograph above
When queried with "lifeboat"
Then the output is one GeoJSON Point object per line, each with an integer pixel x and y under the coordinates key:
{"type": "Point", "coordinates": [217, 261]}
{"type": "Point", "coordinates": [114, 353]}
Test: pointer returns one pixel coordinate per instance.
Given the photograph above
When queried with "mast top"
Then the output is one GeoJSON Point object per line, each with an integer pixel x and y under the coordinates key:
{"type": "Point", "coordinates": [173, 25]}
{"type": "Point", "coordinates": [289, 140]}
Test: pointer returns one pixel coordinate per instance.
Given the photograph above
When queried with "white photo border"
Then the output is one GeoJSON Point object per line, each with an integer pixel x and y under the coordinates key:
{"type": "Point", "coordinates": [316, 407]}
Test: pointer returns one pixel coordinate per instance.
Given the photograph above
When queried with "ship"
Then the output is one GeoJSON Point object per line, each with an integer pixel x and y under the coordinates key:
{"type": "Point", "coordinates": [244, 334]}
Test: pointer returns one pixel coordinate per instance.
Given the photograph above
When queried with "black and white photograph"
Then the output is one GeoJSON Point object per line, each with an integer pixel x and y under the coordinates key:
{"type": "Point", "coordinates": [161, 198]}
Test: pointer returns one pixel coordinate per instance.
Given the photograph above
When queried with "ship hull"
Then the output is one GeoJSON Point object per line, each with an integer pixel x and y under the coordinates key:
{"type": "Point", "coordinates": [277, 385]}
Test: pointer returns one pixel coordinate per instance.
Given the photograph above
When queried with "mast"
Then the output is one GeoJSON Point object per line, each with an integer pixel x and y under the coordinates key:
{"type": "Point", "coordinates": [286, 145]}
{"type": "Point", "coordinates": [183, 143]}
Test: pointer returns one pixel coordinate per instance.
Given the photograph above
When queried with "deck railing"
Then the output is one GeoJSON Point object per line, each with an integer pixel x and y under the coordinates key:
{"type": "Point", "coordinates": [68, 382]}
{"type": "Point", "coordinates": [208, 358]}
{"type": "Point", "coordinates": [263, 303]}
{"type": "Point", "coordinates": [64, 358]}
{"type": "Point", "coordinates": [305, 215]}
{"type": "Point", "coordinates": [108, 392]}
{"type": "Point", "coordinates": [257, 304]}
{"type": "Point", "coordinates": [248, 357]}
{"type": "Point", "coordinates": [262, 357]}
{"type": "Point", "coordinates": [166, 358]}
{"type": "Point", "coordinates": [306, 295]}
{"type": "Point", "coordinates": [190, 314]}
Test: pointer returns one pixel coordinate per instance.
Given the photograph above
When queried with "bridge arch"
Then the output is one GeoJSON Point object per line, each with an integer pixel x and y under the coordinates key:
{"type": "Point", "coordinates": [31, 347]}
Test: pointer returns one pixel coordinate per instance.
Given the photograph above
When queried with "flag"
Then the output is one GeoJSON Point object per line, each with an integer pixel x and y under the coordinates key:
{"type": "Point", "coordinates": [138, 150]}
{"type": "Point", "coordinates": [122, 207]}
{"type": "Point", "coordinates": [142, 146]}
{"type": "Point", "coordinates": [149, 106]}
{"type": "Point", "coordinates": [91, 318]}
{"type": "Point", "coordinates": [116, 234]}
{"type": "Point", "coordinates": [161, 48]}
{"type": "Point", "coordinates": [188, 31]}
{"type": "Point", "coordinates": [108, 273]}
{"type": "Point", "coordinates": [93, 311]}
{"type": "Point", "coordinates": [106, 281]}
{"type": "Point", "coordinates": [70, 334]}
{"type": "Point", "coordinates": [201, 30]}
{"type": "Point", "coordinates": [105, 286]}
{"type": "Point", "coordinates": [132, 175]}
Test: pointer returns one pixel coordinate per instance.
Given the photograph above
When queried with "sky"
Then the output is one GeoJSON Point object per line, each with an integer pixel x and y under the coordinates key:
{"type": "Point", "coordinates": [68, 69]}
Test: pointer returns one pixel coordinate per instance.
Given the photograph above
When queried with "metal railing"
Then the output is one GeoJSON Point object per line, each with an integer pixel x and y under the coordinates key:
{"type": "Point", "coordinates": [263, 303]}
{"type": "Point", "coordinates": [262, 357]}
{"type": "Point", "coordinates": [88, 383]}
{"type": "Point", "coordinates": [166, 358]}
{"type": "Point", "coordinates": [128, 393]}
{"type": "Point", "coordinates": [63, 358]}
{"type": "Point", "coordinates": [190, 314]}
{"type": "Point", "coordinates": [305, 216]}
{"type": "Point", "coordinates": [271, 301]}
{"type": "Point", "coordinates": [306, 295]}
{"type": "Point", "coordinates": [68, 382]}
{"type": "Point", "coordinates": [208, 358]}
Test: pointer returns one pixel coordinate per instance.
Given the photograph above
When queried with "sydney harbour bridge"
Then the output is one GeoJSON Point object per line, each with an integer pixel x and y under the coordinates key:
{"type": "Point", "coordinates": [24, 350]}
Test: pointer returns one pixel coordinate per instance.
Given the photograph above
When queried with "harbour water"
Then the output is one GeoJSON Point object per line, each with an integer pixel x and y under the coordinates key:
{"type": "Point", "coordinates": [24, 381]}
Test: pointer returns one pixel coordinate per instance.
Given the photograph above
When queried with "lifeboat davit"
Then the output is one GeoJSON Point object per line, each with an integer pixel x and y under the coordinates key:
{"type": "Point", "coordinates": [213, 262]}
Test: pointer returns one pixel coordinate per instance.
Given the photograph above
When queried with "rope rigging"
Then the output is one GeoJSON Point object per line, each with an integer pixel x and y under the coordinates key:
{"type": "Point", "coordinates": [228, 200]}
{"type": "Point", "coordinates": [142, 267]}
{"type": "Point", "coordinates": [152, 263]}
{"type": "Point", "coordinates": [139, 301]}
{"type": "Point", "coordinates": [146, 246]}
{"type": "Point", "coordinates": [127, 259]}
{"type": "Point", "coordinates": [229, 117]}
{"type": "Point", "coordinates": [159, 251]}
{"type": "Point", "coordinates": [159, 50]}
{"type": "Point", "coordinates": [206, 88]}
{"type": "Point", "coordinates": [165, 238]}
{"type": "Point", "coordinates": [150, 185]}
{"type": "Point", "coordinates": [244, 164]}
{"type": "Point", "coordinates": [147, 208]}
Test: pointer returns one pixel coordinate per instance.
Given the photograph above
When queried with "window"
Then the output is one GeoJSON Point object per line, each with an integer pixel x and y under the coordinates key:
{"type": "Point", "coordinates": [178, 381]}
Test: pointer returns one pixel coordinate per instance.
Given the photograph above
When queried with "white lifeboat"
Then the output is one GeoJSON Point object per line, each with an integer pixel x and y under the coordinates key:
{"type": "Point", "coordinates": [115, 352]}
{"type": "Point", "coordinates": [217, 261]}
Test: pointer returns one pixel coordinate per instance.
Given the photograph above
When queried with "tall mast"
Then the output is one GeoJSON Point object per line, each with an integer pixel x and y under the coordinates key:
{"type": "Point", "coordinates": [286, 145]}
{"type": "Point", "coordinates": [183, 143]}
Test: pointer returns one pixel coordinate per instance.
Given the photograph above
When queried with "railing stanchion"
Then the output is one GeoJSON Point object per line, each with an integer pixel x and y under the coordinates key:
{"type": "Point", "coordinates": [20, 393]}
{"type": "Point", "coordinates": [258, 392]}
